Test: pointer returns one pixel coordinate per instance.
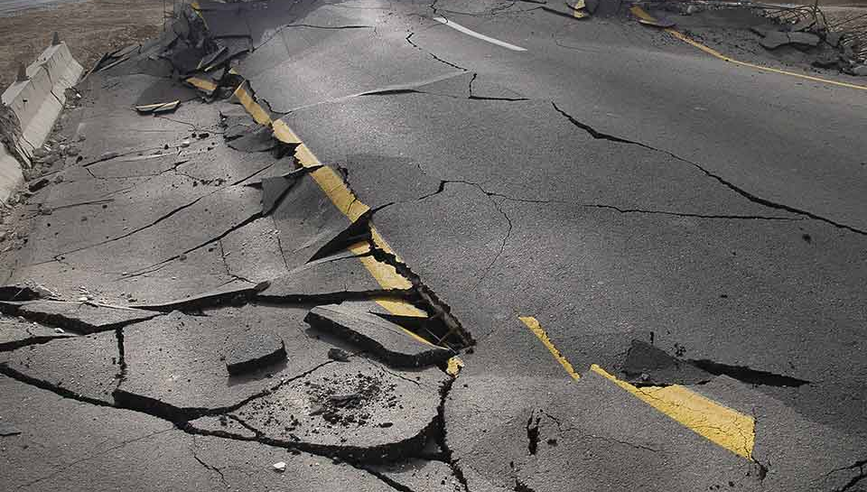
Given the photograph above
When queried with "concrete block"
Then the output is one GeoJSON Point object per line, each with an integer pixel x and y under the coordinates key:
{"type": "Point", "coordinates": [37, 102]}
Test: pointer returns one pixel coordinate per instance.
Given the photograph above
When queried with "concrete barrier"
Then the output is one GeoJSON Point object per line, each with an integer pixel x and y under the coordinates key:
{"type": "Point", "coordinates": [10, 174]}
{"type": "Point", "coordinates": [37, 102]}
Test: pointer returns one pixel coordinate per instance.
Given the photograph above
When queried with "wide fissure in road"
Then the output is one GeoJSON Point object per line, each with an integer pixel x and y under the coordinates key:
{"type": "Point", "coordinates": [372, 245]}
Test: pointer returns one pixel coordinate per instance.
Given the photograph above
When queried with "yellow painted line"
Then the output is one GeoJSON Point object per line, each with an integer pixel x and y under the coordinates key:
{"type": "Point", "coordinates": [242, 95]}
{"type": "Point", "coordinates": [454, 366]}
{"type": "Point", "coordinates": [205, 85]}
{"type": "Point", "coordinates": [283, 133]}
{"type": "Point", "coordinates": [719, 424]}
{"type": "Point", "coordinates": [640, 12]}
{"type": "Point", "coordinates": [534, 326]}
{"type": "Point", "coordinates": [335, 188]}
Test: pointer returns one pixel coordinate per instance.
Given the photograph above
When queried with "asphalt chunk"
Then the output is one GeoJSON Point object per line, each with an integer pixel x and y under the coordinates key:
{"type": "Point", "coordinates": [385, 340]}
{"type": "Point", "coordinates": [253, 349]}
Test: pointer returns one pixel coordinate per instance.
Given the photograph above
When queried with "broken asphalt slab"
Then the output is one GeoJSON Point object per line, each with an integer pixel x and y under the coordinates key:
{"type": "Point", "coordinates": [78, 317]}
{"type": "Point", "coordinates": [104, 450]}
{"type": "Point", "coordinates": [357, 410]}
{"type": "Point", "coordinates": [384, 340]}
{"type": "Point", "coordinates": [253, 349]}
{"type": "Point", "coordinates": [86, 368]}
{"type": "Point", "coordinates": [18, 332]}
{"type": "Point", "coordinates": [176, 364]}
{"type": "Point", "coordinates": [327, 281]}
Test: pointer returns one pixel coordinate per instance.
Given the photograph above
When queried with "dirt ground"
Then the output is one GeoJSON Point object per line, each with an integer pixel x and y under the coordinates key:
{"type": "Point", "coordinates": [90, 28]}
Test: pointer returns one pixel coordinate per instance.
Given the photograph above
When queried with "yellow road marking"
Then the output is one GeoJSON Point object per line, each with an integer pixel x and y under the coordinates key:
{"type": "Point", "coordinates": [242, 95]}
{"type": "Point", "coordinates": [205, 85]}
{"type": "Point", "coordinates": [717, 423]}
{"type": "Point", "coordinates": [454, 366]}
{"type": "Point", "coordinates": [640, 12]}
{"type": "Point", "coordinates": [341, 196]}
{"type": "Point", "coordinates": [534, 326]}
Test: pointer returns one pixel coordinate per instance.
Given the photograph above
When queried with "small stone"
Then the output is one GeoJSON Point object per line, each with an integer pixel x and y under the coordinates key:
{"type": "Point", "coordinates": [73, 151]}
{"type": "Point", "coordinates": [82, 138]}
{"type": "Point", "coordinates": [59, 330]}
{"type": "Point", "coordinates": [860, 70]}
{"type": "Point", "coordinates": [82, 298]}
{"type": "Point", "coordinates": [185, 143]}
{"type": "Point", "coordinates": [58, 179]}
{"type": "Point", "coordinates": [280, 466]}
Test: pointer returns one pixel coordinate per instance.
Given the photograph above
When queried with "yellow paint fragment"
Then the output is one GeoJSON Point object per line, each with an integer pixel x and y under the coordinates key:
{"type": "Point", "coordinates": [534, 326]}
{"type": "Point", "coordinates": [205, 85]}
{"type": "Point", "coordinates": [283, 133]}
{"type": "Point", "coordinates": [719, 424]}
{"type": "Point", "coordinates": [454, 366]}
{"type": "Point", "coordinates": [242, 96]}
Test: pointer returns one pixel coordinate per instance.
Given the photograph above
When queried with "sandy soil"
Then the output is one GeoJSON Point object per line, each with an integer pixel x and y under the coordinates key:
{"type": "Point", "coordinates": [90, 28]}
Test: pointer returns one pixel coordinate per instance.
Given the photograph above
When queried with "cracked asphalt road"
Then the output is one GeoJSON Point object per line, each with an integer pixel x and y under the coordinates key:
{"type": "Point", "coordinates": [648, 264]}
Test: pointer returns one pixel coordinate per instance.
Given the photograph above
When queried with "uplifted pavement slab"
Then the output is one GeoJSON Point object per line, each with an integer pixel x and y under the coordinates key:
{"type": "Point", "coordinates": [371, 333]}
{"type": "Point", "coordinates": [326, 281]}
{"type": "Point", "coordinates": [176, 364]}
{"type": "Point", "coordinates": [357, 410]}
{"type": "Point", "coordinates": [307, 220]}
{"type": "Point", "coordinates": [78, 317]}
{"type": "Point", "coordinates": [106, 449]}
{"type": "Point", "coordinates": [87, 368]}
{"type": "Point", "coordinates": [18, 332]}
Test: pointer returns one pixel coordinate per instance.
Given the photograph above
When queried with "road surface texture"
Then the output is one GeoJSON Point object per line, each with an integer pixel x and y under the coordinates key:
{"type": "Point", "coordinates": [461, 245]}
